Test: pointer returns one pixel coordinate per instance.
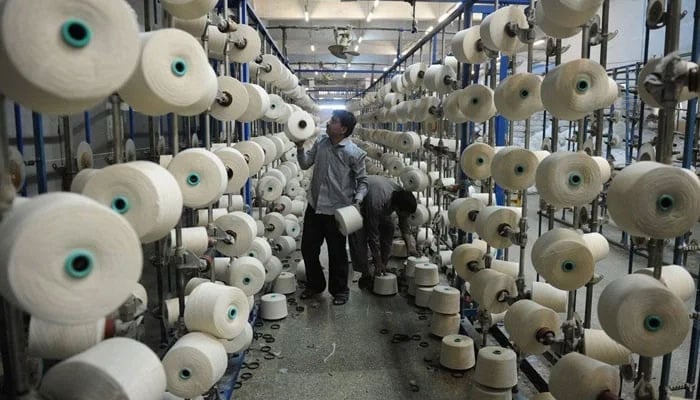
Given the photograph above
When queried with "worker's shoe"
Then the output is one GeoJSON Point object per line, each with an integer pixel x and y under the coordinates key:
{"type": "Point", "coordinates": [365, 282]}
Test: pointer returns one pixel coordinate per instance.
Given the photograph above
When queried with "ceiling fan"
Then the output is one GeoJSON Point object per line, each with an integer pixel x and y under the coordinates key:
{"type": "Point", "coordinates": [343, 41]}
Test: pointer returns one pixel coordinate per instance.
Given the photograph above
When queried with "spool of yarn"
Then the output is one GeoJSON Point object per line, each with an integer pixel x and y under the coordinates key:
{"type": "Point", "coordinates": [567, 179]}
{"type": "Point", "coordinates": [285, 283]}
{"type": "Point", "coordinates": [292, 228]}
{"type": "Point", "coordinates": [253, 153]}
{"type": "Point", "coordinates": [171, 310]}
{"type": "Point", "coordinates": [443, 258]}
{"type": "Point", "coordinates": [130, 150]}
{"type": "Point", "coordinates": [654, 66]}
{"type": "Point", "coordinates": [476, 160]}
{"type": "Point", "coordinates": [83, 157]}
{"type": "Point", "coordinates": [385, 284]}
{"type": "Point", "coordinates": [81, 179]}
{"type": "Point", "coordinates": [273, 68]}
{"type": "Point", "coordinates": [592, 378]}
{"type": "Point", "coordinates": [143, 192]}
{"type": "Point", "coordinates": [203, 215]}
{"type": "Point", "coordinates": [270, 151]}
{"type": "Point", "coordinates": [258, 103]}
{"type": "Point", "coordinates": [411, 265]}
{"type": "Point", "coordinates": [236, 168]}
{"type": "Point", "coordinates": [300, 273]}
{"type": "Point", "coordinates": [494, 29]}
{"type": "Point", "coordinates": [194, 282]}
{"type": "Point", "coordinates": [426, 275]}
{"type": "Point", "coordinates": [597, 244]}
{"type": "Point", "coordinates": [647, 152]}
{"type": "Point", "coordinates": [194, 26]}
{"type": "Point", "coordinates": [676, 278]}
{"type": "Point", "coordinates": [549, 296]}
{"type": "Point", "coordinates": [457, 352]}
{"type": "Point", "coordinates": [462, 213]}
{"type": "Point", "coordinates": [240, 343]}
{"type": "Point", "coordinates": [467, 259]}
{"type": "Point", "coordinates": [445, 300]}
{"type": "Point", "coordinates": [476, 103]}
{"type": "Point", "coordinates": [425, 237]}
{"type": "Point", "coordinates": [650, 199]}
{"type": "Point", "coordinates": [51, 341]}
{"type": "Point", "coordinates": [73, 263]}
{"type": "Point", "coordinates": [496, 367]}
{"type": "Point", "coordinates": [118, 367]}
{"type": "Point", "coordinates": [442, 325]}
{"type": "Point", "coordinates": [490, 288]}
{"type": "Point", "coordinates": [514, 168]}
{"type": "Point", "coordinates": [194, 364]}
{"type": "Point", "coordinates": [423, 294]}
{"type": "Point", "coordinates": [298, 207]}
{"type": "Point", "coordinates": [201, 176]}
{"type": "Point", "coordinates": [275, 225]}
{"type": "Point", "coordinates": [509, 268]}
{"type": "Point", "coordinates": [232, 101]}
{"type": "Point", "coordinates": [577, 88]}
{"type": "Point", "coordinates": [221, 265]}
{"type": "Point", "coordinates": [349, 220]}
{"type": "Point", "coordinates": [241, 227]}
{"type": "Point", "coordinates": [605, 168]}
{"type": "Point", "coordinates": [484, 197]}
{"type": "Point", "coordinates": [300, 126]}
{"type": "Point", "coordinates": [165, 160]}
{"type": "Point", "coordinates": [219, 310]}
{"type": "Point", "coordinates": [188, 9]}
{"type": "Point", "coordinates": [277, 109]}
{"type": "Point", "coordinates": [551, 26]}
{"type": "Point", "coordinates": [260, 249]}
{"type": "Point", "coordinates": [273, 268]}
{"type": "Point", "coordinates": [247, 274]}
{"type": "Point", "coordinates": [563, 257]}
{"type": "Point", "coordinates": [273, 306]}
{"type": "Point", "coordinates": [173, 75]}
{"type": "Point", "coordinates": [414, 74]}
{"type": "Point", "coordinates": [478, 392]}
{"type": "Point", "coordinates": [414, 180]}
{"type": "Point", "coordinates": [269, 188]}
{"type": "Point", "coordinates": [467, 48]}
{"type": "Point", "coordinates": [571, 13]}
{"type": "Point", "coordinates": [236, 203]}
{"type": "Point", "coordinates": [643, 315]}
{"type": "Point", "coordinates": [285, 245]}
{"type": "Point", "coordinates": [246, 46]}
{"type": "Point", "coordinates": [528, 322]}
{"type": "Point", "coordinates": [491, 221]}
{"type": "Point", "coordinates": [599, 346]}
{"type": "Point", "coordinates": [194, 239]}
{"type": "Point", "coordinates": [92, 54]}
{"type": "Point", "coordinates": [518, 96]}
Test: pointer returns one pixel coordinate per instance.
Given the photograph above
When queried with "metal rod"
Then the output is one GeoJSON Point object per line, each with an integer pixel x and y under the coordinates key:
{"type": "Point", "coordinates": [67, 153]}
{"type": "Point", "coordinates": [20, 139]}
{"type": "Point", "coordinates": [118, 129]}
{"type": "Point", "coordinates": [39, 152]}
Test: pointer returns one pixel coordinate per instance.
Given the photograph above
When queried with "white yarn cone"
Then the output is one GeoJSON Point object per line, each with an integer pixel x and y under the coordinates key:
{"type": "Point", "coordinates": [247, 274]}
{"type": "Point", "coordinates": [476, 103]}
{"type": "Point", "coordinates": [91, 48]}
{"type": "Point", "coordinates": [571, 12]}
{"type": "Point", "coordinates": [117, 368]}
{"type": "Point", "coordinates": [518, 96]}
{"type": "Point", "coordinates": [467, 260]}
{"type": "Point", "coordinates": [640, 313]}
{"type": "Point", "coordinates": [526, 322]}
{"type": "Point", "coordinates": [242, 228]}
{"type": "Point", "coordinates": [260, 249]}
{"type": "Point", "coordinates": [514, 168]}
{"type": "Point", "coordinates": [188, 9]}
{"type": "Point", "coordinates": [551, 26]}
{"type": "Point", "coordinates": [60, 282]}
{"type": "Point", "coordinates": [144, 193]}
{"type": "Point", "coordinates": [233, 99]}
{"type": "Point", "coordinates": [493, 29]}
{"type": "Point", "coordinates": [194, 26]}
{"type": "Point", "coordinates": [236, 166]}
{"type": "Point", "coordinates": [245, 45]}
{"type": "Point", "coordinates": [599, 346]}
{"type": "Point", "coordinates": [567, 179]}
{"type": "Point", "coordinates": [676, 278]}
{"type": "Point", "coordinates": [201, 176]}
{"type": "Point", "coordinates": [173, 75]}
{"type": "Point", "coordinates": [476, 160]}
{"type": "Point", "coordinates": [253, 153]}
{"type": "Point", "coordinates": [650, 199]}
{"type": "Point", "coordinates": [592, 378]}
{"type": "Point", "coordinates": [490, 221]}
{"type": "Point", "coordinates": [488, 287]}
{"type": "Point", "coordinates": [563, 258]}
{"type": "Point", "coordinates": [465, 46]}
{"type": "Point", "coordinates": [258, 103]}
{"type": "Point", "coordinates": [577, 88]}
{"type": "Point", "coordinates": [194, 364]}
{"type": "Point", "coordinates": [57, 342]}
{"type": "Point", "coordinates": [653, 67]}
{"type": "Point", "coordinates": [218, 310]}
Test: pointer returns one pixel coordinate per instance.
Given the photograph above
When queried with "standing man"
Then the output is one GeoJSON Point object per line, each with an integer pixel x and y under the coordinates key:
{"type": "Point", "coordinates": [339, 180]}
{"type": "Point", "coordinates": [384, 197]}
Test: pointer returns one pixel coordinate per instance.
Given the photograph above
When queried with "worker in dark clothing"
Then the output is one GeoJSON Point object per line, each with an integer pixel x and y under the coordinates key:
{"type": "Point", "coordinates": [384, 197]}
{"type": "Point", "coordinates": [339, 180]}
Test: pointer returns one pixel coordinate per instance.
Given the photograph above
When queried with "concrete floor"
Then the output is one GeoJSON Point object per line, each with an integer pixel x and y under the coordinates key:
{"type": "Point", "coordinates": [338, 352]}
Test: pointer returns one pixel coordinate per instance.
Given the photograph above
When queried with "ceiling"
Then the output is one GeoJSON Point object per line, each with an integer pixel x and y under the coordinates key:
{"type": "Point", "coordinates": [391, 23]}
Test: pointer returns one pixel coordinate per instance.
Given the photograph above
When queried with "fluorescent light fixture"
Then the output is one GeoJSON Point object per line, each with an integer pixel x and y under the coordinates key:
{"type": "Point", "coordinates": [316, 73]}
{"type": "Point", "coordinates": [331, 106]}
{"type": "Point", "coordinates": [385, 68]}
{"type": "Point", "coordinates": [359, 40]}
{"type": "Point", "coordinates": [306, 15]}
{"type": "Point", "coordinates": [394, 60]}
{"type": "Point", "coordinates": [345, 74]}
{"type": "Point", "coordinates": [539, 42]}
{"type": "Point", "coordinates": [357, 47]}
{"type": "Point", "coordinates": [313, 48]}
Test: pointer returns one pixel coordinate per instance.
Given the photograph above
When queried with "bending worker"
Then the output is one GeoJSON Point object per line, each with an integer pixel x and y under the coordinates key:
{"type": "Point", "coordinates": [384, 197]}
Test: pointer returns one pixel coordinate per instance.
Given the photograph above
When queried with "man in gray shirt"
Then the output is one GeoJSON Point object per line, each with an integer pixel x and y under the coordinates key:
{"type": "Point", "coordinates": [384, 197]}
{"type": "Point", "coordinates": [339, 180]}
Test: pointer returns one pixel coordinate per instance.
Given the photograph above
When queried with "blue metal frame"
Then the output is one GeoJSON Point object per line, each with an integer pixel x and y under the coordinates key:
{"type": "Point", "coordinates": [20, 140]}
{"type": "Point", "coordinates": [88, 127]}
{"type": "Point", "coordinates": [243, 19]}
{"type": "Point", "coordinates": [39, 152]}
